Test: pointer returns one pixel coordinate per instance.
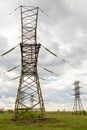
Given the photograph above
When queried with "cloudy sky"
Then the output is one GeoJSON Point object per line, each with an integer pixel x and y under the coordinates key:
{"type": "Point", "coordinates": [62, 28]}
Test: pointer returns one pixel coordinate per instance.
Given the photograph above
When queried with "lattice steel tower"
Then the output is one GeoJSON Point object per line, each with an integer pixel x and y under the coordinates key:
{"type": "Point", "coordinates": [78, 107]}
{"type": "Point", "coordinates": [29, 95]}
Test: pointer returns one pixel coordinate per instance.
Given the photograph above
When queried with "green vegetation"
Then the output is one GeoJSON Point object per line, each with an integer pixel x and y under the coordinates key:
{"type": "Point", "coordinates": [54, 121]}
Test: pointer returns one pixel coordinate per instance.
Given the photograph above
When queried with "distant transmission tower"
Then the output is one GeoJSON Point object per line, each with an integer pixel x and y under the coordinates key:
{"type": "Point", "coordinates": [29, 95]}
{"type": "Point", "coordinates": [77, 103]}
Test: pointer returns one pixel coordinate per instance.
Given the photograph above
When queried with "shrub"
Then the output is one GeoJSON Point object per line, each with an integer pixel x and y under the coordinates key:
{"type": "Point", "coordinates": [33, 115]}
{"type": "Point", "coordinates": [84, 112]}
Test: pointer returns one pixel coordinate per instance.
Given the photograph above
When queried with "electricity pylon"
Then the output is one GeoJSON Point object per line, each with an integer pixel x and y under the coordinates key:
{"type": "Point", "coordinates": [78, 107]}
{"type": "Point", "coordinates": [29, 95]}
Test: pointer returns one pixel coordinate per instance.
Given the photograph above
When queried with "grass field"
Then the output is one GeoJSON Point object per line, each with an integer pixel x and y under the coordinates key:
{"type": "Point", "coordinates": [54, 121]}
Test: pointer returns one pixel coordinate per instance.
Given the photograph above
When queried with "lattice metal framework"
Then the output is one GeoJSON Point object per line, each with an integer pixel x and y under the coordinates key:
{"type": "Point", "coordinates": [78, 107]}
{"type": "Point", "coordinates": [29, 96]}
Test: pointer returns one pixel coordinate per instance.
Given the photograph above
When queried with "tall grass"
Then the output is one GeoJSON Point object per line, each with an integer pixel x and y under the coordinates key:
{"type": "Point", "coordinates": [54, 121]}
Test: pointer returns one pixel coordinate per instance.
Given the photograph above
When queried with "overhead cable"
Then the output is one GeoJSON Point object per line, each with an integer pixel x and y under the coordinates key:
{"type": "Point", "coordinates": [5, 53]}
{"type": "Point", "coordinates": [15, 78]}
{"type": "Point", "coordinates": [46, 14]}
{"type": "Point", "coordinates": [49, 51]}
{"type": "Point", "coordinates": [53, 62]}
{"type": "Point", "coordinates": [48, 70]}
{"type": "Point", "coordinates": [14, 10]}
{"type": "Point", "coordinates": [42, 78]}
{"type": "Point", "coordinates": [13, 68]}
{"type": "Point", "coordinates": [64, 60]}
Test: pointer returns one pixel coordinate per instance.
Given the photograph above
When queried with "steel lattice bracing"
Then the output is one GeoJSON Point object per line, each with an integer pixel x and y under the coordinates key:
{"type": "Point", "coordinates": [29, 96]}
{"type": "Point", "coordinates": [77, 103]}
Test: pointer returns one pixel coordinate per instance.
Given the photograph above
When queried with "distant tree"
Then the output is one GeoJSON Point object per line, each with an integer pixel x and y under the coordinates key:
{"type": "Point", "coordinates": [1, 110]}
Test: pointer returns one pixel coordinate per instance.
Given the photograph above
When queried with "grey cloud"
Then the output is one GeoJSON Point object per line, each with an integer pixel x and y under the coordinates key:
{"type": "Point", "coordinates": [66, 35]}
{"type": "Point", "coordinates": [57, 96]}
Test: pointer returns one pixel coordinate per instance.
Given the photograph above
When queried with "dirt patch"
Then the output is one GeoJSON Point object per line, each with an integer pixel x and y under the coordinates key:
{"type": "Point", "coordinates": [37, 121]}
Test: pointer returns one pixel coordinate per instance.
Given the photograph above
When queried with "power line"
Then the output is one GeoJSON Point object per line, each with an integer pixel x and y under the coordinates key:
{"type": "Point", "coordinates": [53, 62]}
{"type": "Point", "coordinates": [10, 50]}
{"type": "Point", "coordinates": [63, 59]}
{"type": "Point", "coordinates": [46, 14]}
{"type": "Point", "coordinates": [48, 70]}
{"type": "Point", "coordinates": [15, 78]}
{"type": "Point", "coordinates": [14, 10]}
{"type": "Point", "coordinates": [3, 55]}
{"type": "Point", "coordinates": [40, 66]}
{"type": "Point", "coordinates": [11, 69]}
{"type": "Point", "coordinates": [58, 56]}
{"type": "Point", "coordinates": [49, 51]}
